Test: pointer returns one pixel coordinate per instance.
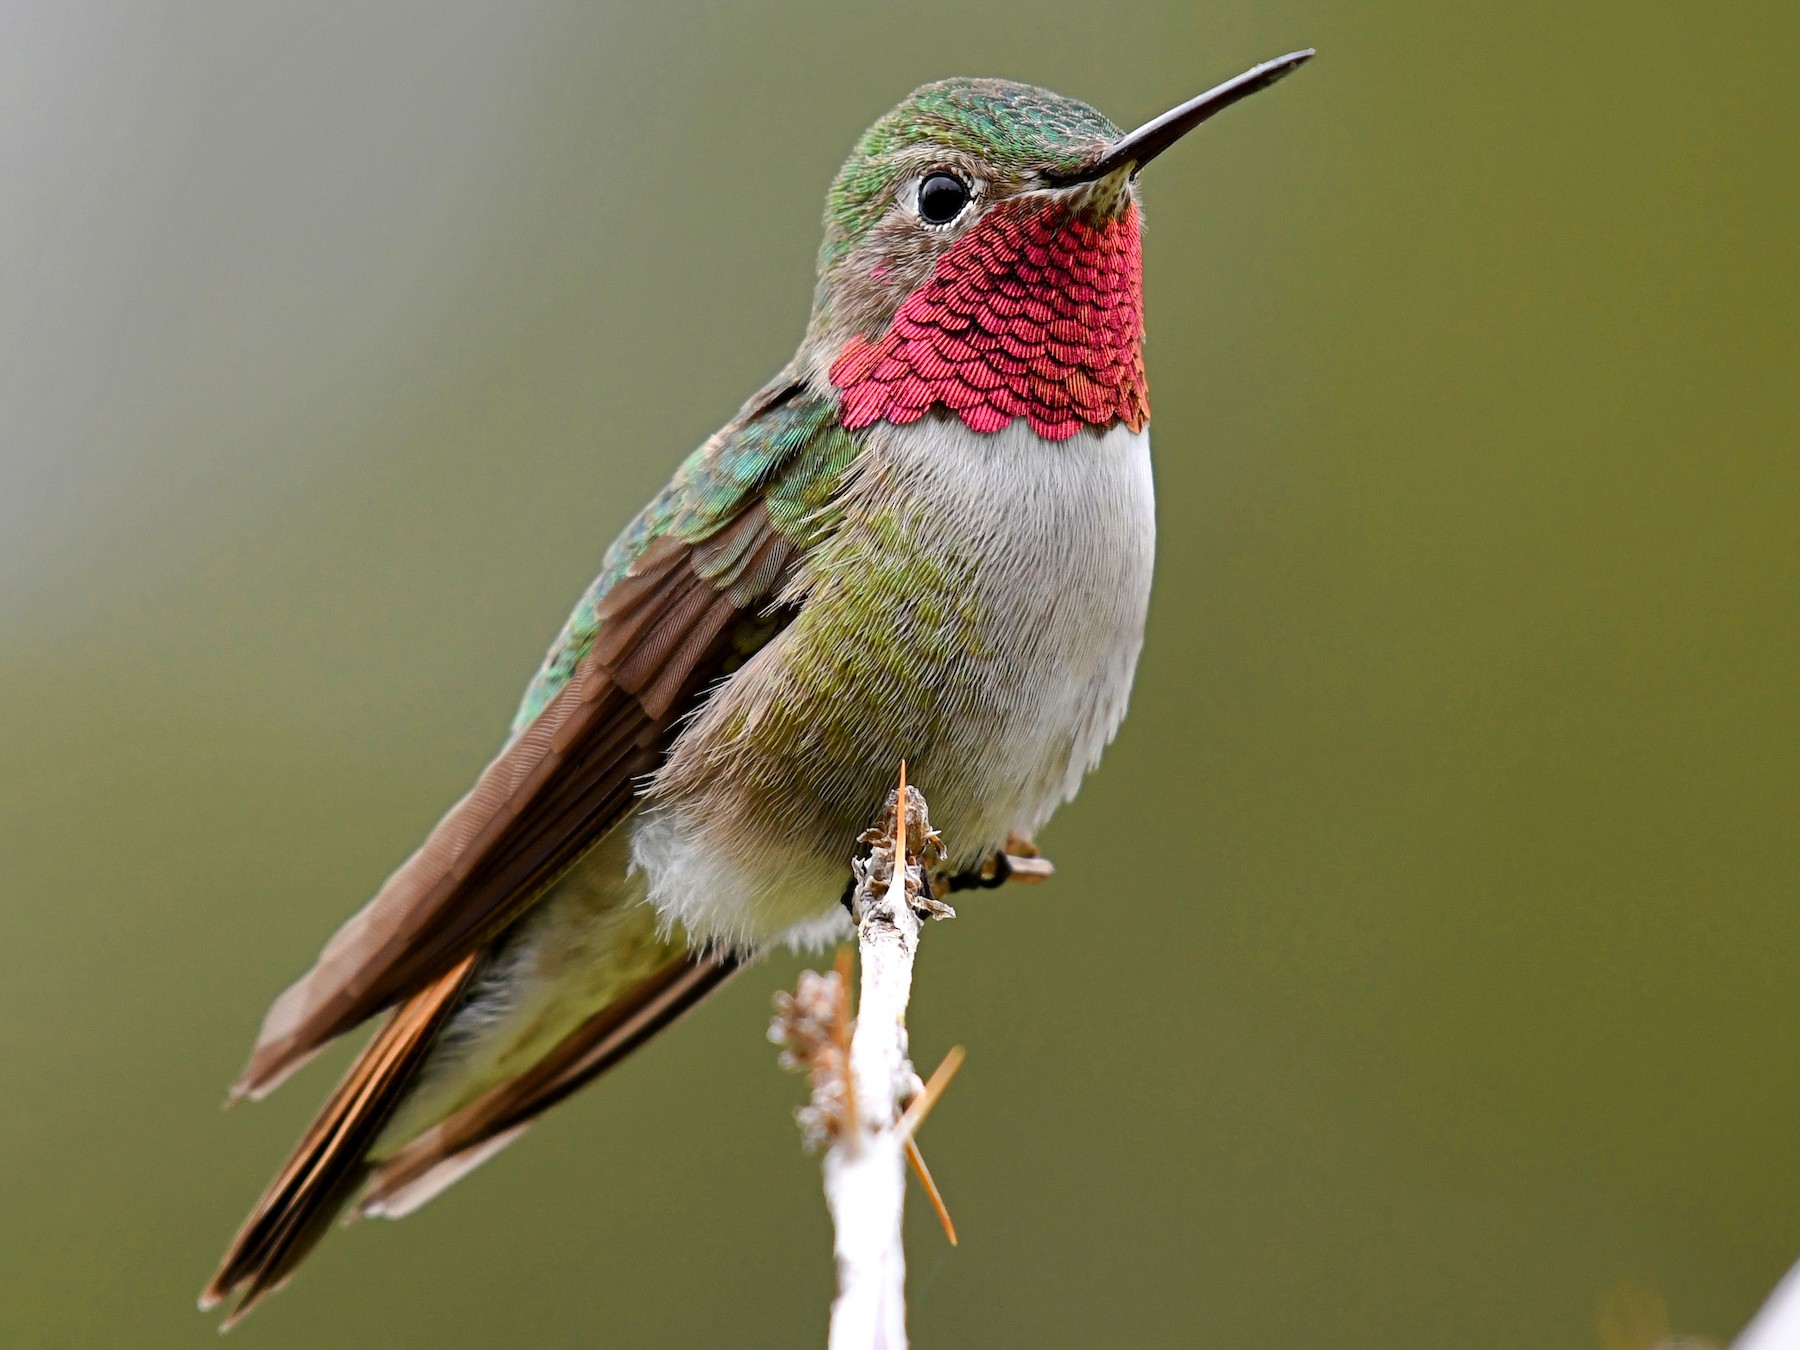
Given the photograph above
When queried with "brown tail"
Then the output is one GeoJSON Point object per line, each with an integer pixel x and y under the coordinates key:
{"type": "Point", "coordinates": [328, 1164]}
{"type": "Point", "coordinates": [449, 1151]}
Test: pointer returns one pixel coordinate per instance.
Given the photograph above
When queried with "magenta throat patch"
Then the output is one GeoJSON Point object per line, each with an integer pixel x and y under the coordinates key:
{"type": "Point", "coordinates": [1035, 313]}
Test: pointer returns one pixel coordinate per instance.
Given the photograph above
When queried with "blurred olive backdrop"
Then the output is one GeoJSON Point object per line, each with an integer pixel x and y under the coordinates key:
{"type": "Point", "coordinates": [1421, 963]}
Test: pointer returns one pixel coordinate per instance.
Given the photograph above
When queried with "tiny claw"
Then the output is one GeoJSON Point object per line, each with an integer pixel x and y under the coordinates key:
{"type": "Point", "coordinates": [1029, 869]}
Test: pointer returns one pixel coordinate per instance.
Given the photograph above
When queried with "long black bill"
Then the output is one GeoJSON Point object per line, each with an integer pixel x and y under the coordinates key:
{"type": "Point", "coordinates": [1139, 147]}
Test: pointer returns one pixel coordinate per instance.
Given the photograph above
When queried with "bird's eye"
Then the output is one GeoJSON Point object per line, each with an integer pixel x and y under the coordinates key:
{"type": "Point", "coordinates": [942, 197]}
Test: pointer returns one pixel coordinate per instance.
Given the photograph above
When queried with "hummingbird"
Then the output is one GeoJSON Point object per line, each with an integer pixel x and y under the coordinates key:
{"type": "Point", "coordinates": [929, 538]}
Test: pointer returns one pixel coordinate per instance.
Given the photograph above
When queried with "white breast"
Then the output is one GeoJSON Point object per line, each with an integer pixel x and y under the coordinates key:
{"type": "Point", "coordinates": [1018, 573]}
{"type": "Point", "coordinates": [1066, 534]}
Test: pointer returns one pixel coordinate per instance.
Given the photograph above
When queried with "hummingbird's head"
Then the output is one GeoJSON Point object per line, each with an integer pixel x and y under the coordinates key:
{"type": "Point", "coordinates": [982, 253]}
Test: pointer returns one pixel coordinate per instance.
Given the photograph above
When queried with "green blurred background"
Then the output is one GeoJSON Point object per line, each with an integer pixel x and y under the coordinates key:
{"type": "Point", "coordinates": [1421, 964]}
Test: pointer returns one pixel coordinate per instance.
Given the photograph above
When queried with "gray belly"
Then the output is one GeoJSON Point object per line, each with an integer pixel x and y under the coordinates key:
{"type": "Point", "coordinates": [978, 612]}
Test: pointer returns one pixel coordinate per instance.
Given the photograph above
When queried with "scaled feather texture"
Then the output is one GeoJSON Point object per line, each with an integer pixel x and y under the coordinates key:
{"type": "Point", "coordinates": [1037, 314]}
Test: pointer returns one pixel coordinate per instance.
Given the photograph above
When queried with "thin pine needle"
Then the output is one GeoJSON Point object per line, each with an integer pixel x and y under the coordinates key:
{"type": "Point", "coordinates": [920, 1170]}
{"type": "Point", "coordinates": [933, 1089]}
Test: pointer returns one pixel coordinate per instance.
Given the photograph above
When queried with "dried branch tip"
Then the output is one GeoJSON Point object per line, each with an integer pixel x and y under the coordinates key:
{"type": "Point", "coordinates": [873, 867]}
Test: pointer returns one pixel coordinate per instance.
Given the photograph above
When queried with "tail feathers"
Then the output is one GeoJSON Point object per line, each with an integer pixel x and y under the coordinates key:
{"type": "Point", "coordinates": [394, 1196]}
{"type": "Point", "coordinates": [330, 1161]}
{"type": "Point", "coordinates": [451, 1150]}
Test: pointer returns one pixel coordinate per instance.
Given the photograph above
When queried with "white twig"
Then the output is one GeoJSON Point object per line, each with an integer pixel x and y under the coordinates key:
{"type": "Point", "coordinates": [865, 1171]}
{"type": "Point", "coordinates": [861, 1080]}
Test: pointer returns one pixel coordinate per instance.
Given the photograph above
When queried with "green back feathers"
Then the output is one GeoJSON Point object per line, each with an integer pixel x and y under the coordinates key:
{"type": "Point", "coordinates": [790, 453]}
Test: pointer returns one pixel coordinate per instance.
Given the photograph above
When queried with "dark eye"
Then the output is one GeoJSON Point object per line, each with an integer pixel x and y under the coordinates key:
{"type": "Point", "coordinates": [942, 197]}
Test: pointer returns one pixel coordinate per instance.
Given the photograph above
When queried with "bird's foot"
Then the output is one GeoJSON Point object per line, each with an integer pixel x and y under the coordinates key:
{"type": "Point", "coordinates": [1019, 861]}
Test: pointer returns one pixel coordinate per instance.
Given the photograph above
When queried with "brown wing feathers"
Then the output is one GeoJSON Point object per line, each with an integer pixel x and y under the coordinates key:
{"type": "Point", "coordinates": [401, 934]}
{"type": "Point", "coordinates": [548, 795]}
{"type": "Point", "coordinates": [666, 629]}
